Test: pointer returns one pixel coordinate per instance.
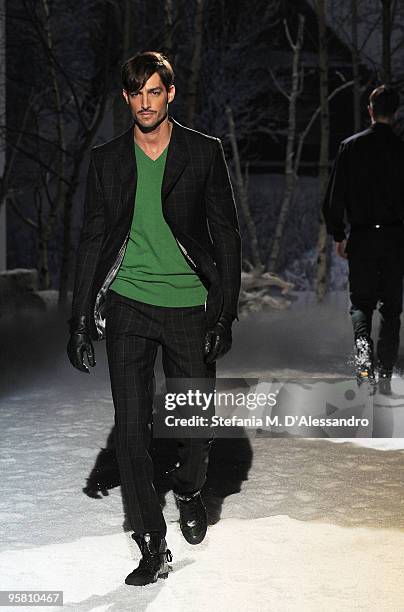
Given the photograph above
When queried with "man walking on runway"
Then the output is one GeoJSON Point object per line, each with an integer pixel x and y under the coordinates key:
{"type": "Point", "coordinates": [367, 184]}
{"type": "Point", "coordinates": [158, 264]}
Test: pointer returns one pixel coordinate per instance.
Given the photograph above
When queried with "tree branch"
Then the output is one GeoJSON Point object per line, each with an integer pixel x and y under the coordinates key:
{"type": "Point", "coordinates": [279, 86]}
{"type": "Point", "coordinates": [308, 127]}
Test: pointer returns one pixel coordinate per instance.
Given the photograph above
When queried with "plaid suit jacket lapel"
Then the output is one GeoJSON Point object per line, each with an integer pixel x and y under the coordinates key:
{"type": "Point", "coordinates": [126, 162]}
{"type": "Point", "coordinates": [177, 159]}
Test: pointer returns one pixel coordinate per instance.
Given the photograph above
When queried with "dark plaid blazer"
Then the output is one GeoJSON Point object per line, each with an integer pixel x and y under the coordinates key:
{"type": "Point", "coordinates": [197, 204]}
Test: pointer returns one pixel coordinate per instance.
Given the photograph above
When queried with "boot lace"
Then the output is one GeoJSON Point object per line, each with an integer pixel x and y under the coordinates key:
{"type": "Point", "coordinates": [147, 561]}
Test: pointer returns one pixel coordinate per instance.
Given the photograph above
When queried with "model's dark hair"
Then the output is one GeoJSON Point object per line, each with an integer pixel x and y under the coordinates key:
{"type": "Point", "coordinates": [139, 68]}
{"type": "Point", "coordinates": [384, 101]}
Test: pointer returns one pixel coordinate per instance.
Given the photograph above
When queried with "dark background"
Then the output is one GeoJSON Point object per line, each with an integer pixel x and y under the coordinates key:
{"type": "Point", "coordinates": [63, 95]}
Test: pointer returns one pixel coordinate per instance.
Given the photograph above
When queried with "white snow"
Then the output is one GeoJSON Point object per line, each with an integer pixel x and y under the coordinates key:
{"type": "Point", "coordinates": [311, 525]}
{"type": "Point", "coordinates": [378, 443]}
{"type": "Point", "coordinates": [316, 526]}
{"type": "Point", "coordinates": [275, 563]}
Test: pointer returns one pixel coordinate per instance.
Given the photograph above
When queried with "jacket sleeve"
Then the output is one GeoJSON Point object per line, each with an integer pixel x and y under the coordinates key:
{"type": "Point", "coordinates": [335, 199]}
{"type": "Point", "coordinates": [90, 242]}
{"type": "Point", "coordinates": [224, 229]}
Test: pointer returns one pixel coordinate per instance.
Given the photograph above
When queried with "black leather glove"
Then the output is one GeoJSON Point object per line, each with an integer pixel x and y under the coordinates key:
{"type": "Point", "coordinates": [219, 339]}
{"type": "Point", "coordinates": [80, 343]}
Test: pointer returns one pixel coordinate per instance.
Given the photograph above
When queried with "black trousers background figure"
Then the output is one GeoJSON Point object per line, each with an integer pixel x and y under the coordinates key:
{"type": "Point", "coordinates": [134, 331]}
{"type": "Point", "coordinates": [376, 265]}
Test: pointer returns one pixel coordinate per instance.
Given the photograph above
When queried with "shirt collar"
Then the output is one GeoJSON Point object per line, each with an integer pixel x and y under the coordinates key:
{"type": "Point", "coordinates": [379, 124]}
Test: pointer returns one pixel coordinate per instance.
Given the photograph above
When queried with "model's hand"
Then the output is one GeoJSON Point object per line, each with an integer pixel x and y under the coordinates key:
{"type": "Point", "coordinates": [80, 343]}
{"type": "Point", "coordinates": [340, 249]}
{"type": "Point", "coordinates": [219, 339]}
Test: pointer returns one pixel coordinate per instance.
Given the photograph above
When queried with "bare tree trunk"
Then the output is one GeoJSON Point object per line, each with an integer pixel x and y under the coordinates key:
{"type": "Point", "coordinates": [127, 29]}
{"type": "Point", "coordinates": [386, 8]}
{"type": "Point", "coordinates": [302, 136]}
{"type": "Point", "coordinates": [355, 66]}
{"type": "Point", "coordinates": [70, 191]}
{"type": "Point", "coordinates": [121, 116]}
{"type": "Point", "coordinates": [290, 177]}
{"type": "Point", "coordinates": [61, 162]}
{"type": "Point", "coordinates": [168, 29]}
{"type": "Point", "coordinates": [74, 182]}
{"type": "Point", "coordinates": [243, 197]}
{"type": "Point", "coordinates": [195, 63]}
{"type": "Point", "coordinates": [3, 208]}
{"type": "Point", "coordinates": [42, 245]}
{"type": "Point", "coordinates": [322, 260]}
{"type": "Point", "coordinates": [45, 231]}
{"type": "Point", "coordinates": [11, 155]}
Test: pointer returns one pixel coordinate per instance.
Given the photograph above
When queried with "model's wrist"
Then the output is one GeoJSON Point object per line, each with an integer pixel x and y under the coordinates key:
{"type": "Point", "coordinates": [78, 324]}
{"type": "Point", "coordinates": [226, 318]}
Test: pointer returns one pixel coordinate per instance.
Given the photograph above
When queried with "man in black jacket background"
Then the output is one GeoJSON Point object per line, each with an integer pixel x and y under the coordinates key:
{"type": "Point", "coordinates": [366, 188]}
{"type": "Point", "coordinates": [158, 264]}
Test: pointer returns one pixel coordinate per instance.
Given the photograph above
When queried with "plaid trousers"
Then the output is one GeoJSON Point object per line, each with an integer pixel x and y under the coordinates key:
{"type": "Point", "coordinates": [134, 330]}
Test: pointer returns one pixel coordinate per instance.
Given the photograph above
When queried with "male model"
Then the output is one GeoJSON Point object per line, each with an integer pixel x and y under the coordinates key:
{"type": "Point", "coordinates": [158, 263]}
{"type": "Point", "coordinates": [367, 184]}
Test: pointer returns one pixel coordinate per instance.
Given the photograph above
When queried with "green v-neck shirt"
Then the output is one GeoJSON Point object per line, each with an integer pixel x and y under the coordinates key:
{"type": "Point", "coordinates": [153, 269]}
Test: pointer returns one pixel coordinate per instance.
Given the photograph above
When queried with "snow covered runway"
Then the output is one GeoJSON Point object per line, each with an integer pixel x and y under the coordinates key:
{"type": "Point", "coordinates": [275, 563]}
{"type": "Point", "coordinates": [298, 525]}
{"type": "Point", "coordinates": [316, 526]}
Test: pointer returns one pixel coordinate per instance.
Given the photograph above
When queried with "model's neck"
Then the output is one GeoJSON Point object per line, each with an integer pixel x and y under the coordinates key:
{"type": "Point", "coordinates": [384, 120]}
{"type": "Point", "coordinates": [157, 137]}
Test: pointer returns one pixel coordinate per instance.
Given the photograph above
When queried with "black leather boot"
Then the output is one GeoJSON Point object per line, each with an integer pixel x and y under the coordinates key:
{"type": "Point", "coordinates": [384, 381]}
{"type": "Point", "coordinates": [153, 564]}
{"type": "Point", "coordinates": [193, 519]}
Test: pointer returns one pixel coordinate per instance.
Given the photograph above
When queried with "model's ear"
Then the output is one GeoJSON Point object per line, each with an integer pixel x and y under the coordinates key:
{"type": "Point", "coordinates": [125, 95]}
{"type": "Point", "coordinates": [171, 93]}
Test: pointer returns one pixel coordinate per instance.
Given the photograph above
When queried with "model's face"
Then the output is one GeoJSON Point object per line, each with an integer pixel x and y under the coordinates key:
{"type": "Point", "coordinates": [149, 104]}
